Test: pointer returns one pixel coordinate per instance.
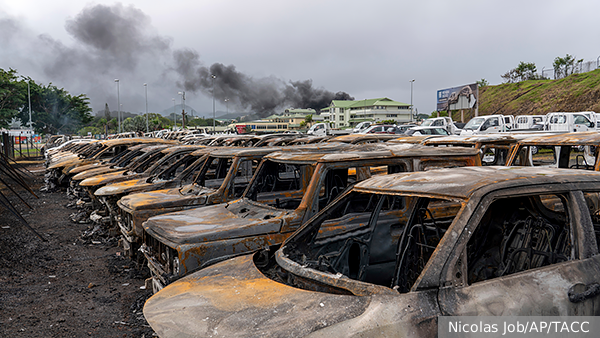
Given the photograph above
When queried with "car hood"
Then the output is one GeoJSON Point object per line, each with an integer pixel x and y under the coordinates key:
{"type": "Point", "coordinates": [102, 179]}
{"type": "Point", "coordinates": [214, 222]}
{"type": "Point", "coordinates": [165, 198]}
{"type": "Point", "coordinates": [68, 162]}
{"type": "Point", "coordinates": [125, 187]}
{"type": "Point", "coordinates": [234, 299]}
{"type": "Point", "coordinates": [98, 170]}
{"type": "Point", "coordinates": [86, 167]}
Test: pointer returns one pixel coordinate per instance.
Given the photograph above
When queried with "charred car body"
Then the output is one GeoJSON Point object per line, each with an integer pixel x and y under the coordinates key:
{"type": "Point", "coordinates": [104, 150]}
{"type": "Point", "coordinates": [223, 177]}
{"type": "Point", "coordinates": [394, 253]}
{"type": "Point", "coordinates": [287, 189]}
{"type": "Point", "coordinates": [495, 148]}
{"type": "Point", "coordinates": [570, 150]}
{"type": "Point", "coordinates": [110, 193]}
{"type": "Point", "coordinates": [151, 155]}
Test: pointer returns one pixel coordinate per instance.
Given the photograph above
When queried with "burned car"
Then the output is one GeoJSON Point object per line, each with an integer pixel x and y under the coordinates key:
{"type": "Point", "coordinates": [120, 163]}
{"type": "Point", "coordinates": [287, 189]}
{"type": "Point", "coordinates": [104, 150]}
{"type": "Point", "coordinates": [569, 150]}
{"type": "Point", "coordinates": [495, 148]}
{"type": "Point", "coordinates": [395, 252]}
{"type": "Point", "coordinates": [173, 162]}
{"type": "Point", "coordinates": [151, 155]}
{"type": "Point", "coordinates": [224, 177]}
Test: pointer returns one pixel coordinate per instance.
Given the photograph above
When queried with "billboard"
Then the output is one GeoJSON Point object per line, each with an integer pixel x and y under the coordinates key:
{"type": "Point", "coordinates": [462, 97]}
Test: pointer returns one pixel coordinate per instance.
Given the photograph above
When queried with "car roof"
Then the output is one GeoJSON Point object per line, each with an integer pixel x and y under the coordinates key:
{"type": "Point", "coordinates": [453, 139]}
{"type": "Point", "coordinates": [181, 148]}
{"type": "Point", "coordinates": [462, 183]}
{"type": "Point", "coordinates": [372, 151]}
{"type": "Point", "coordinates": [350, 138]}
{"type": "Point", "coordinates": [119, 141]}
{"type": "Point", "coordinates": [411, 139]}
{"type": "Point", "coordinates": [577, 138]}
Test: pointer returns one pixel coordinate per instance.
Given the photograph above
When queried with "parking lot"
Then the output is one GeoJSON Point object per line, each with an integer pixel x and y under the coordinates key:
{"type": "Point", "coordinates": [74, 284]}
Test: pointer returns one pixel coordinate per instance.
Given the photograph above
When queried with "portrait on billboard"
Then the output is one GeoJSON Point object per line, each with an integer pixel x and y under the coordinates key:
{"type": "Point", "coordinates": [463, 97]}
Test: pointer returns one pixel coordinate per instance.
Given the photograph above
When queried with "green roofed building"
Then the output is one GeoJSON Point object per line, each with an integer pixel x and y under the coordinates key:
{"type": "Point", "coordinates": [344, 114]}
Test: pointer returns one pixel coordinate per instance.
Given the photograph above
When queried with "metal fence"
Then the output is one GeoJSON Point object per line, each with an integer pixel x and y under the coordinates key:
{"type": "Point", "coordinates": [579, 67]}
{"type": "Point", "coordinates": [19, 147]}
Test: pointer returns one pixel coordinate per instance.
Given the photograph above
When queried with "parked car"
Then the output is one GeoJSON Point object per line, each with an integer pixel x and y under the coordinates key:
{"type": "Point", "coordinates": [103, 150]}
{"type": "Point", "coordinates": [394, 253]}
{"type": "Point", "coordinates": [382, 129]}
{"type": "Point", "coordinates": [223, 177]}
{"type": "Point", "coordinates": [361, 126]}
{"type": "Point", "coordinates": [169, 170]}
{"type": "Point", "coordinates": [494, 148]}
{"type": "Point", "coordinates": [418, 131]}
{"type": "Point", "coordinates": [488, 124]}
{"type": "Point", "coordinates": [287, 190]}
{"type": "Point", "coordinates": [577, 150]}
{"type": "Point", "coordinates": [442, 122]}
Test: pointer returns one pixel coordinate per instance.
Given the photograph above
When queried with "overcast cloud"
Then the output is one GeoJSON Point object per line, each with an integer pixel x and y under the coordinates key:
{"type": "Point", "coordinates": [274, 54]}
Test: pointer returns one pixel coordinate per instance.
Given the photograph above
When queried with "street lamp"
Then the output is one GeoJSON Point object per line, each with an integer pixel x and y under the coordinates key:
{"type": "Point", "coordinates": [182, 109]}
{"type": "Point", "coordinates": [411, 97]}
{"type": "Point", "coordinates": [213, 76]}
{"type": "Point", "coordinates": [29, 99]}
{"type": "Point", "coordinates": [118, 109]}
{"type": "Point", "coordinates": [227, 105]}
{"type": "Point", "coordinates": [174, 113]}
{"type": "Point", "coordinates": [146, 89]}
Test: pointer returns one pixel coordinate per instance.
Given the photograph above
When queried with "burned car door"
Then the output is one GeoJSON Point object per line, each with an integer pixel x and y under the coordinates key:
{"type": "Point", "coordinates": [524, 254]}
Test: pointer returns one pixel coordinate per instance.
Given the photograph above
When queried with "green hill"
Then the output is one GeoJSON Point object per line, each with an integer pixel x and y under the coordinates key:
{"type": "Point", "coordinates": [577, 92]}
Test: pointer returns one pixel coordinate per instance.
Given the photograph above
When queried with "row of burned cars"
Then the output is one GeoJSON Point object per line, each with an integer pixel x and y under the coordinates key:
{"type": "Point", "coordinates": [345, 237]}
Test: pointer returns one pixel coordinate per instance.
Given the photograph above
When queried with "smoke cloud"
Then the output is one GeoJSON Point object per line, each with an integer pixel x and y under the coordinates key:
{"type": "Point", "coordinates": [119, 42]}
{"type": "Point", "coordinates": [262, 96]}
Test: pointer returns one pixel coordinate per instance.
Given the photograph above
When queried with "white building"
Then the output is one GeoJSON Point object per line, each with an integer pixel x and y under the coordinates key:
{"type": "Point", "coordinates": [344, 114]}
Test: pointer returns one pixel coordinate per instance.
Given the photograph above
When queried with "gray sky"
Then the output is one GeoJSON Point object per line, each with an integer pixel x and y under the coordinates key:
{"type": "Point", "coordinates": [267, 52]}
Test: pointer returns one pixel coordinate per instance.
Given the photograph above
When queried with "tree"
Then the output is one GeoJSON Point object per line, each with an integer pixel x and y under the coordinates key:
{"type": "Point", "coordinates": [55, 111]}
{"type": "Point", "coordinates": [563, 67]}
{"type": "Point", "coordinates": [524, 71]}
{"type": "Point", "coordinates": [137, 123]}
{"type": "Point", "coordinates": [308, 120]}
{"type": "Point", "coordinates": [482, 83]}
{"type": "Point", "coordinates": [12, 97]}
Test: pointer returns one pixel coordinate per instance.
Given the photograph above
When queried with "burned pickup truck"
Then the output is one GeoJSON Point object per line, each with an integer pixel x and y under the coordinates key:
{"type": "Point", "coordinates": [287, 189]}
{"type": "Point", "coordinates": [395, 252]}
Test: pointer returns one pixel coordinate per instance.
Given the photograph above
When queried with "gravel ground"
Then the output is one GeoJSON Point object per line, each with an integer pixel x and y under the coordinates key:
{"type": "Point", "coordinates": [73, 284]}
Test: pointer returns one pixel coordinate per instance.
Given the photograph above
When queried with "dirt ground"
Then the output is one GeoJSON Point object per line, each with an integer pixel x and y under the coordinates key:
{"type": "Point", "coordinates": [72, 284]}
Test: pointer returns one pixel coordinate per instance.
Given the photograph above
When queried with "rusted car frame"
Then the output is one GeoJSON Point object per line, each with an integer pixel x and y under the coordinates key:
{"type": "Point", "coordinates": [569, 150]}
{"type": "Point", "coordinates": [224, 177]}
{"type": "Point", "coordinates": [71, 149]}
{"type": "Point", "coordinates": [287, 189]}
{"type": "Point", "coordinates": [103, 150]}
{"type": "Point", "coordinates": [363, 138]}
{"type": "Point", "coordinates": [486, 241]}
{"type": "Point", "coordinates": [495, 148]}
{"type": "Point", "coordinates": [108, 196]}
{"type": "Point", "coordinates": [150, 156]}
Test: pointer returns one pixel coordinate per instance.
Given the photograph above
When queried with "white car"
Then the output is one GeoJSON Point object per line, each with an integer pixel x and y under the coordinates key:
{"type": "Point", "coordinates": [417, 131]}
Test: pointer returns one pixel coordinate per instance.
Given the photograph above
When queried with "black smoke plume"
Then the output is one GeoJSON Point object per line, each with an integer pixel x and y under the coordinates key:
{"type": "Point", "coordinates": [117, 41]}
{"type": "Point", "coordinates": [262, 96]}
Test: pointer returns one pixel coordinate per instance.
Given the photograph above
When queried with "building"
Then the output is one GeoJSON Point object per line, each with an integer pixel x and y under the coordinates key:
{"type": "Point", "coordinates": [344, 113]}
{"type": "Point", "coordinates": [291, 119]}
